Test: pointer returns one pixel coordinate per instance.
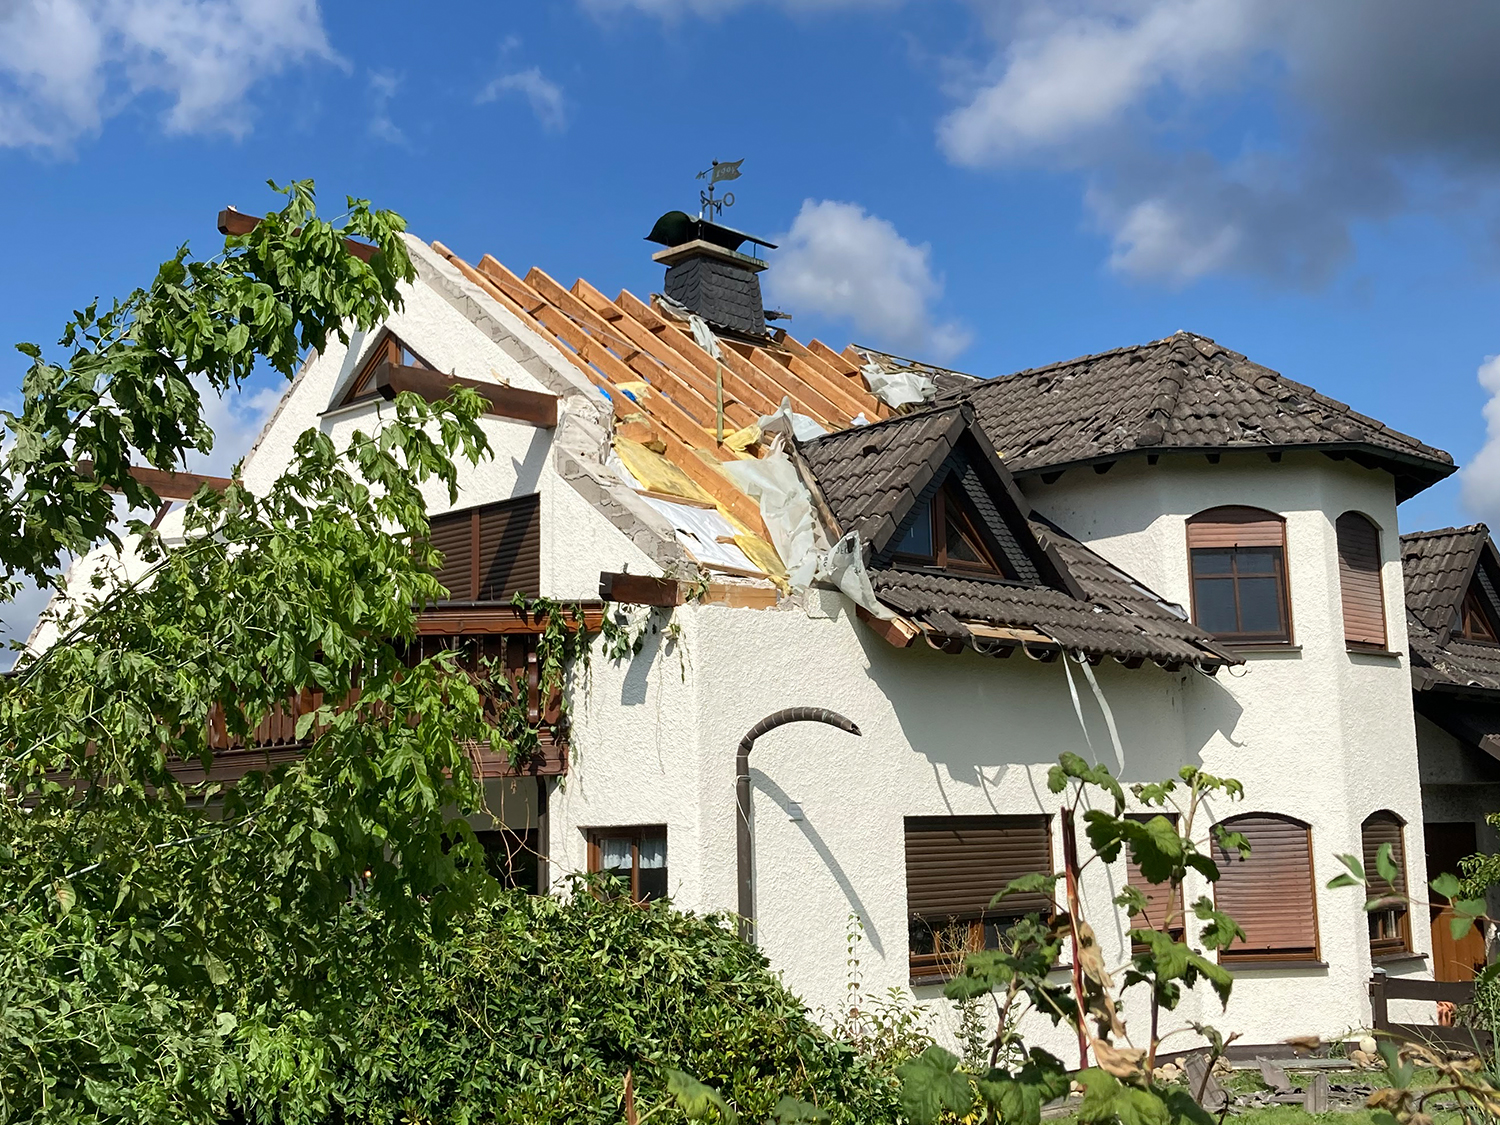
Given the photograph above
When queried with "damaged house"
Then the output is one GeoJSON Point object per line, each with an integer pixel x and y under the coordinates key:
{"type": "Point", "coordinates": [1156, 556]}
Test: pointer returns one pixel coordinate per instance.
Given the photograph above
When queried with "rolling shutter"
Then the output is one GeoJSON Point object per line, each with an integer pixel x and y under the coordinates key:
{"type": "Point", "coordinates": [1383, 828]}
{"type": "Point", "coordinates": [453, 535]}
{"type": "Point", "coordinates": [1359, 580]}
{"type": "Point", "coordinates": [510, 549]}
{"type": "Point", "coordinates": [1270, 893]}
{"type": "Point", "coordinates": [1236, 527]}
{"type": "Point", "coordinates": [956, 864]}
{"type": "Point", "coordinates": [1162, 899]}
{"type": "Point", "coordinates": [492, 552]}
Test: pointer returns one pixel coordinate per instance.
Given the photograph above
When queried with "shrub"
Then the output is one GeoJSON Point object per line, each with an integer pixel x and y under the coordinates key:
{"type": "Point", "coordinates": [534, 1009]}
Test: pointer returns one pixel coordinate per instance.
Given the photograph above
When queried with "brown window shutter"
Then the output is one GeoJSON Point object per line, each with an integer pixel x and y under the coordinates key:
{"type": "Point", "coordinates": [956, 864]}
{"type": "Point", "coordinates": [1236, 527]}
{"type": "Point", "coordinates": [491, 553]}
{"type": "Point", "coordinates": [1162, 899]}
{"type": "Point", "coordinates": [452, 534]}
{"type": "Point", "coordinates": [1384, 828]}
{"type": "Point", "coordinates": [1359, 580]}
{"type": "Point", "coordinates": [510, 549]}
{"type": "Point", "coordinates": [1270, 893]}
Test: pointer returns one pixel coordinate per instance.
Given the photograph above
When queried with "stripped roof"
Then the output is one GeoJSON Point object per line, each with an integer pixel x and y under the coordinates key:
{"type": "Point", "coordinates": [1182, 393]}
{"type": "Point", "coordinates": [1439, 567]}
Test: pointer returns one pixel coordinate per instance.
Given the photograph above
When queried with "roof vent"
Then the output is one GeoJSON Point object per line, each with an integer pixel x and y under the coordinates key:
{"type": "Point", "coordinates": [706, 270]}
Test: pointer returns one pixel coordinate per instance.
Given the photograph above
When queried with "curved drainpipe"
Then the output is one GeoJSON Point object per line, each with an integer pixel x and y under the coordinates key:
{"type": "Point", "coordinates": [742, 797]}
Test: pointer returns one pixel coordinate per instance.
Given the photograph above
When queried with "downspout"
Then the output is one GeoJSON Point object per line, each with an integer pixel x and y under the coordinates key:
{"type": "Point", "coordinates": [742, 797]}
{"type": "Point", "coordinates": [543, 837]}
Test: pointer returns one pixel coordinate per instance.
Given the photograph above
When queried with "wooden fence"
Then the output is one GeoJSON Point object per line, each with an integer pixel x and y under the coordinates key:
{"type": "Point", "coordinates": [1384, 989]}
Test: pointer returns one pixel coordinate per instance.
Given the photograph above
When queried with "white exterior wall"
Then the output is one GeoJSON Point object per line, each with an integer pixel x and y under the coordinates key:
{"type": "Point", "coordinates": [1315, 732]}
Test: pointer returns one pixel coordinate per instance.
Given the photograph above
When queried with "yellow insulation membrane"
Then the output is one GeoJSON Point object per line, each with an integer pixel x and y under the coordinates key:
{"type": "Point", "coordinates": [656, 473]}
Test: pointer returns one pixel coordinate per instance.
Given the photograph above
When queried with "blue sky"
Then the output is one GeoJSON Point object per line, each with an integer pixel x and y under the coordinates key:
{"type": "Point", "coordinates": [996, 185]}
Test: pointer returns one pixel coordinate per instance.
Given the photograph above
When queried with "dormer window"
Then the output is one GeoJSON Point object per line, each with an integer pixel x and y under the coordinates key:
{"type": "Point", "coordinates": [389, 351]}
{"type": "Point", "coordinates": [1476, 623]}
{"type": "Point", "coordinates": [944, 533]}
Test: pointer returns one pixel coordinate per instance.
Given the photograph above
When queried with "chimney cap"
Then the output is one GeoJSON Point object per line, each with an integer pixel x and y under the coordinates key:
{"type": "Point", "coordinates": [678, 227]}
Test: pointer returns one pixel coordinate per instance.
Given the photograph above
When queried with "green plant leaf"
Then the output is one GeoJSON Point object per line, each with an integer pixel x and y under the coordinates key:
{"type": "Point", "coordinates": [790, 1111]}
{"type": "Point", "coordinates": [698, 1101]}
{"type": "Point", "coordinates": [932, 1084]}
{"type": "Point", "coordinates": [1447, 885]}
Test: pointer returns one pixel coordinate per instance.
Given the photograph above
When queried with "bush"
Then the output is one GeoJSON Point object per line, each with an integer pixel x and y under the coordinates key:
{"type": "Point", "coordinates": [535, 1008]}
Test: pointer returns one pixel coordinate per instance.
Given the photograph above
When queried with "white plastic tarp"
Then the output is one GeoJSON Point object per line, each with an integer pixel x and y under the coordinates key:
{"type": "Point", "coordinates": [773, 483]}
{"type": "Point", "coordinates": [899, 388]}
{"type": "Point", "coordinates": [699, 530]}
{"type": "Point", "coordinates": [786, 507]}
{"type": "Point", "coordinates": [803, 428]}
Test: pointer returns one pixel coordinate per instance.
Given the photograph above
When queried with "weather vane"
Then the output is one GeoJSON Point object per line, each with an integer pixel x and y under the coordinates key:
{"type": "Point", "coordinates": [721, 170]}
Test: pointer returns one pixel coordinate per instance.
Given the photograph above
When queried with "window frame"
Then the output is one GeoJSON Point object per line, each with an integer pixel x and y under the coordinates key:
{"type": "Point", "coordinates": [1231, 516]}
{"type": "Point", "coordinates": [636, 833]}
{"type": "Point", "coordinates": [1398, 944]}
{"type": "Point", "coordinates": [941, 965]}
{"type": "Point", "coordinates": [1291, 955]}
{"type": "Point", "coordinates": [1361, 643]}
{"type": "Point", "coordinates": [390, 349]}
{"type": "Point", "coordinates": [1472, 607]}
{"type": "Point", "coordinates": [968, 526]}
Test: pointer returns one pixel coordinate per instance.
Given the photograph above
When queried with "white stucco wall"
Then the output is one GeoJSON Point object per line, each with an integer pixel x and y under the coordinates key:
{"type": "Point", "coordinates": [941, 735]}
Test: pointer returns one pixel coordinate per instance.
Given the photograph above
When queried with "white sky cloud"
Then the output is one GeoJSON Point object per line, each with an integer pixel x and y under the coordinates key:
{"type": "Point", "coordinates": [68, 65]}
{"type": "Point", "coordinates": [1480, 478]}
{"type": "Point", "coordinates": [841, 262]}
{"type": "Point", "coordinates": [545, 96]}
{"type": "Point", "coordinates": [383, 87]}
{"type": "Point", "coordinates": [1363, 111]}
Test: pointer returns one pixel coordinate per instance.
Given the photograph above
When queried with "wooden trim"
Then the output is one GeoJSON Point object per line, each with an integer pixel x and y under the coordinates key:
{"type": "Point", "coordinates": [637, 589]}
{"type": "Point", "coordinates": [636, 833]}
{"type": "Point", "coordinates": [897, 631]}
{"type": "Point", "coordinates": [237, 222]}
{"type": "Point", "coordinates": [167, 484]}
{"type": "Point", "coordinates": [532, 407]}
{"type": "Point", "coordinates": [482, 618]}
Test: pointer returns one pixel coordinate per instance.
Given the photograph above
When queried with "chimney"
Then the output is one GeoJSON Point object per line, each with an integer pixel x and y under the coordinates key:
{"type": "Point", "coordinates": [708, 274]}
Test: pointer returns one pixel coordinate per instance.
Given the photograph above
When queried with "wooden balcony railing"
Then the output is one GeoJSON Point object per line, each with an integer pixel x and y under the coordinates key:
{"type": "Point", "coordinates": [497, 644]}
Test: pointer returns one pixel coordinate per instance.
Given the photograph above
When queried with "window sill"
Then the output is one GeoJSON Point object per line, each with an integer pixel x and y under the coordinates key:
{"type": "Point", "coordinates": [917, 980]}
{"type": "Point", "coordinates": [1262, 966]}
{"type": "Point", "coordinates": [1264, 648]}
{"type": "Point", "coordinates": [1356, 650]}
{"type": "Point", "coordinates": [1397, 958]}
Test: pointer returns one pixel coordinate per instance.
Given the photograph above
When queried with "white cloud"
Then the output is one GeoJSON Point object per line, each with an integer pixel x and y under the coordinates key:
{"type": "Point", "coordinates": [841, 262]}
{"type": "Point", "coordinates": [1356, 112]}
{"type": "Point", "coordinates": [66, 66]}
{"type": "Point", "coordinates": [383, 87]}
{"type": "Point", "coordinates": [544, 95]}
{"type": "Point", "coordinates": [1480, 479]}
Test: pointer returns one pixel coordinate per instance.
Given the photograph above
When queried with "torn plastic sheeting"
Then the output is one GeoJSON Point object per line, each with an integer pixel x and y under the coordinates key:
{"type": "Point", "coordinates": [843, 565]}
{"type": "Point", "coordinates": [899, 388]}
{"type": "Point", "coordinates": [803, 428]}
{"type": "Point", "coordinates": [704, 335]}
{"type": "Point", "coordinates": [699, 530]}
{"type": "Point", "coordinates": [650, 470]}
{"type": "Point", "coordinates": [786, 508]}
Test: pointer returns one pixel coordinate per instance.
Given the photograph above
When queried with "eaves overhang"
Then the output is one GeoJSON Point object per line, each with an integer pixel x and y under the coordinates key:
{"type": "Point", "coordinates": [1413, 474]}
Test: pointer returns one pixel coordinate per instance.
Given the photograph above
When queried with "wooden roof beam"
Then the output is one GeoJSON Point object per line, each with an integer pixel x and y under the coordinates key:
{"type": "Point", "coordinates": [167, 484]}
{"type": "Point", "coordinates": [237, 222]}
{"type": "Point", "coordinates": [805, 399]}
{"type": "Point", "coordinates": [831, 379]}
{"type": "Point", "coordinates": [531, 407]}
{"type": "Point", "coordinates": [669, 346]}
{"type": "Point", "coordinates": [621, 404]}
{"type": "Point", "coordinates": [702, 385]}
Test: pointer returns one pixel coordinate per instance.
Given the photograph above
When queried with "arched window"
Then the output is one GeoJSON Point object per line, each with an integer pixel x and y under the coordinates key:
{"type": "Point", "coordinates": [1390, 922]}
{"type": "Point", "coordinates": [1238, 561]}
{"type": "Point", "coordinates": [389, 351]}
{"type": "Point", "coordinates": [1359, 581]}
{"type": "Point", "coordinates": [1270, 892]}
